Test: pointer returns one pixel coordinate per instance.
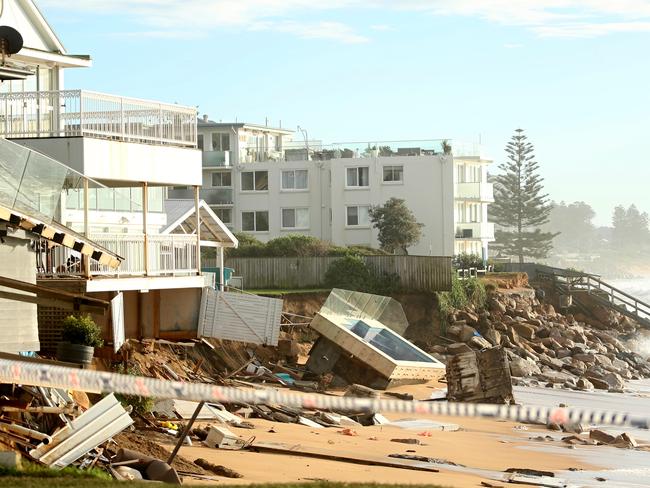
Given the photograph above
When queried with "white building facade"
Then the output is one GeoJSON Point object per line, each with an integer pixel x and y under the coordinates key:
{"type": "Point", "coordinates": [473, 194]}
{"type": "Point", "coordinates": [122, 153]}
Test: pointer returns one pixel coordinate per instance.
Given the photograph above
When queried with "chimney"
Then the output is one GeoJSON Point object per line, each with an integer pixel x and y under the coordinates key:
{"type": "Point", "coordinates": [205, 117]}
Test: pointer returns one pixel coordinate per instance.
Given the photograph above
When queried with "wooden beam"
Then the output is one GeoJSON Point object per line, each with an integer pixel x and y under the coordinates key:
{"type": "Point", "coordinates": [43, 291]}
{"type": "Point", "coordinates": [156, 313]}
{"type": "Point", "coordinates": [51, 302]}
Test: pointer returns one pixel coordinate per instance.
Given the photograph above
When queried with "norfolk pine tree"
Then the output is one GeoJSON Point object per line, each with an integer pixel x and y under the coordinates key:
{"type": "Point", "coordinates": [398, 228]}
{"type": "Point", "coordinates": [520, 207]}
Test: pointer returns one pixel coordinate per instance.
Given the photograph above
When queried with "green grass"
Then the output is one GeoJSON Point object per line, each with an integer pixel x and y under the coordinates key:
{"type": "Point", "coordinates": [289, 291]}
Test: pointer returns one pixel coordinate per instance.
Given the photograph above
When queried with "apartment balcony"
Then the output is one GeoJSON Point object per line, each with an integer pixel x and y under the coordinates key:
{"type": "Point", "coordinates": [216, 159]}
{"type": "Point", "coordinates": [475, 231]}
{"type": "Point", "coordinates": [481, 192]}
{"type": "Point", "coordinates": [212, 196]}
{"type": "Point", "coordinates": [167, 255]}
{"type": "Point", "coordinates": [106, 137]}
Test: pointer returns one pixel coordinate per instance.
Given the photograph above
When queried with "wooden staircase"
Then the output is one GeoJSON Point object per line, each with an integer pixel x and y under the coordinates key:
{"type": "Point", "coordinates": [575, 283]}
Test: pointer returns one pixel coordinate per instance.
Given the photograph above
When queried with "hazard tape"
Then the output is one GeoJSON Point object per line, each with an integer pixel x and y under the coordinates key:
{"type": "Point", "coordinates": [35, 374]}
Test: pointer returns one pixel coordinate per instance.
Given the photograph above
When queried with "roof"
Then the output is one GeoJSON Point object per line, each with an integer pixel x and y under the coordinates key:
{"type": "Point", "coordinates": [240, 125]}
{"type": "Point", "coordinates": [60, 234]}
{"type": "Point", "coordinates": [181, 218]}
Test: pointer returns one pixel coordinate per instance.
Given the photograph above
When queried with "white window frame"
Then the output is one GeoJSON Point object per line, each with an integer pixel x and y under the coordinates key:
{"type": "Point", "coordinates": [295, 209]}
{"type": "Point", "coordinates": [392, 167]}
{"type": "Point", "coordinates": [241, 181]}
{"type": "Point", "coordinates": [294, 189]}
{"type": "Point", "coordinates": [357, 226]}
{"type": "Point", "coordinates": [356, 187]}
{"type": "Point", "coordinates": [255, 212]}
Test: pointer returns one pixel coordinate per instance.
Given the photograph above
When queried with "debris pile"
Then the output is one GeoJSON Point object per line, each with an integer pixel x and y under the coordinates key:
{"type": "Point", "coordinates": [548, 348]}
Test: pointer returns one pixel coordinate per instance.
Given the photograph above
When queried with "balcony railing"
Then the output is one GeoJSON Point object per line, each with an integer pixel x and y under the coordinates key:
{"type": "Point", "coordinates": [168, 255]}
{"type": "Point", "coordinates": [71, 113]}
{"type": "Point", "coordinates": [475, 230]}
{"type": "Point", "coordinates": [216, 158]}
{"type": "Point", "coordinates": [483, 192]}
{"type": "Point", "coordinates": [317, 151]}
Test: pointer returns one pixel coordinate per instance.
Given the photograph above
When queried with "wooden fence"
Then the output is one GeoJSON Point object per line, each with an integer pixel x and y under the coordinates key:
{"type": "Point", "coordinates": [417, 273]}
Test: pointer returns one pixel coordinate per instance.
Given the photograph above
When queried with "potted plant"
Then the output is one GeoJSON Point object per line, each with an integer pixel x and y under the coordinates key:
{"type": "Point", "coordinates": [80, 336]}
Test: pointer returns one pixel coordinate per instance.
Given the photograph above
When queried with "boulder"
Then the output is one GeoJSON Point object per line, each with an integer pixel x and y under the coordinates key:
{"type": "Point", "coordinates": [614, 380]}
{"type": "Point", "coordinates": [584, 384]}
{"type": "Point", "coordinates": [458, 348]}
{"type": "Point", "coordinates": [601, 437]}
{"type": "Point", "coordinates": [523, 367]}
{"type": "Point", "coordinates": [479, 342]}
{"type": "Point", "coordinates": [525, 330]}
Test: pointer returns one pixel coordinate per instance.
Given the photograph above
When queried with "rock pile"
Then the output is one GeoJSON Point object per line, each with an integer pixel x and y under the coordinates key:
{"type": "Point", "coordinates": [548, 348]}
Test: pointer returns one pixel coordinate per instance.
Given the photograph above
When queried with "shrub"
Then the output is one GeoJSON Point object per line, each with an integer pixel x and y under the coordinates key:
{"type": "Point", "coordinates": [140, 404]}
{"type": "Point", "coordinates": [465, 261]}
{"type": "Point", "coordinates": [296, 245]}
{"type": "Point", "coordinates": [475, 292]}
{"type": "Point", "coordinates": [82, 330]}
{"type": "Point", "coordinates": [350, 273]}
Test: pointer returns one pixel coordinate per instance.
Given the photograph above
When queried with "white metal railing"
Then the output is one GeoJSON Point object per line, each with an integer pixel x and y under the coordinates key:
{"type": "Point", "coordinates": [168, 255]}
{"type": "Point", "coordinates": [70, 113]}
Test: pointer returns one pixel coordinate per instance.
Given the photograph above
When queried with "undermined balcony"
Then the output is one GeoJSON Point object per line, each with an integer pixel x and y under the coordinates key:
{"type": "Point", "coordinates": [79, 113]}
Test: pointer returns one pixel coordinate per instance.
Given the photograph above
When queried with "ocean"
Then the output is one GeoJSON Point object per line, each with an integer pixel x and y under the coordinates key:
{"type": "Point", "coordinates": [638, 288]}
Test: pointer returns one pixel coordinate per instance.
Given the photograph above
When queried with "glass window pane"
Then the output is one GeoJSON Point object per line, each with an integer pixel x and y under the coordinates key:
{"type": "Point", "coordinates": [247, 179]}
{"type": "Point", "coordinates": [72, 199]}
{"type": "Point", "coordinates": [302, 218]}
{"type": "Point", "coordinates": [92, 199]}
{"type": "Point", "coordinates": [288, 218]}
{"type": "Point", "coordinates": [225, 142]}
{"type": "Point", "coordinates": [363, 215]}
{"type": "Point", "coordinates": [388, 173]}
{"type": "Point", "coordinates": [352, 177]}
{"type": "Point", "coordinates": [155, 202]}
{"type": "Point", "coordinates": [261, 180]}
{"type": "Point", "coordinates": [105, 199]}
{"type": "Point", "coordinates": [399, 173]}
{"type": "Point", "coordinates": [288, 182]}
{"type": "Point", "coordinates": [123, 199]}
{"type": "Point", "coordinates": [136, 199]}
{"type": "Point", "coordinates": [248, 221]}
{"type": "Point", "coordinates": [364, 178]}
{"type": "Point", "coordinates": [261, 221]}
{"type": "Point", "coordinates": [352, 216]}
{"type": "Point", "coordinates": [301, 179]}
{"type": "Point", "coordinates": [199, 141]}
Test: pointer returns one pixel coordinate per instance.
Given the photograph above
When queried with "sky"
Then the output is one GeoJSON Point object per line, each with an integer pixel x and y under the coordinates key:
{"type": "Point", "coordinates": [573, 73]}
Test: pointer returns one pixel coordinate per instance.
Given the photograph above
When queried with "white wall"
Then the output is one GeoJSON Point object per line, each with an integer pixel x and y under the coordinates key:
{"type": "Point", "coordinates": [427, 188]}
{"type": "Point", "coordinates": [102, 159]}
{"type": "Point", "coordinates": [18, 321]}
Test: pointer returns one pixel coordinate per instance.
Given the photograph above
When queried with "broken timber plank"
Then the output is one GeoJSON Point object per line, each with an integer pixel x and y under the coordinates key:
{"type": "Point", "coordinates": [342, 456]}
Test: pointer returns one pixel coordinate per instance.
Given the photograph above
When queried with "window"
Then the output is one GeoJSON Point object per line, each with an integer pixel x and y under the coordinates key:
{"type": "Point", "coordinates": [222, 179]}
{"type": "Point", "coordinates": [220, 141]}
{"type": "Point", "coordinates": [295, 218]}
{"type": "Point", "coordinates": [357, 216]}
{"type": "Point", "coordinates": [257, 221]}
{"type": "Point", "coordinates": [295, 179]}
{"type": "Point", "coordinates": [255, 180]}
{"type": "Point", "coordinates": [393, 174]}
{"type": "Point", "coordinates": [105, 199]}
{"type": "Point", "coordinates": [358, 177]}
{"type": "Point", "coordinates": [224, 214]}
{"type": "Point", "coordinates": [199, 141]}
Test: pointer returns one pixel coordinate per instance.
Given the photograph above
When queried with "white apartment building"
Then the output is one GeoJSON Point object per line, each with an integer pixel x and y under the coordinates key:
{"type": "Point", "coordinates": [473, 194]}
{"type": "Point", "coordinates": [295, 185]}
{"type": "Point", "coordinates": [120, 154]}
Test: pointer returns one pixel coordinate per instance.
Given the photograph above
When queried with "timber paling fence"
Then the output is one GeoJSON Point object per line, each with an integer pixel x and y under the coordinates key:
{"type": "Point", "coordinates": [417, 273]}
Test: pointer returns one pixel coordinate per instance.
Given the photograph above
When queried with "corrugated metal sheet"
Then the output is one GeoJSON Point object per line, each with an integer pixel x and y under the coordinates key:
{"type": "Point", "coordinates": [240, 317]}
{"type": "Point", "coordinates": [117, 317]}
{"type": "Point", "coordinates": [92, 428]}
{"type": "Point", "coordinates": [417, 273]}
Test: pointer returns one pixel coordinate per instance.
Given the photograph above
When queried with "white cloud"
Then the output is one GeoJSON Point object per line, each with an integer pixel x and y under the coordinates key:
{"type": "Point", "coordinates": [333, 31]}
{"type": "Point", "coordinates": [546, 18]}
